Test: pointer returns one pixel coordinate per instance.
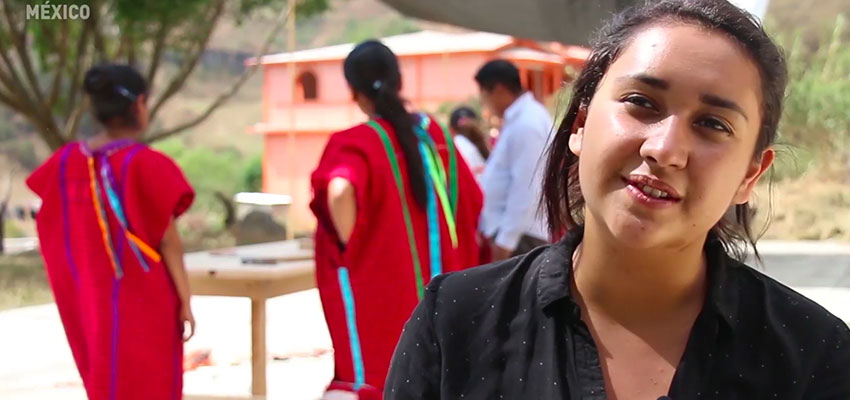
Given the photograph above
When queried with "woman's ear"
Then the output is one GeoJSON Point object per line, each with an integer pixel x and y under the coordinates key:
{"type": "Point", "coordinates": [755, 170]}
{"type": "Point", "coordinates": [141, 103]}
{"type": "Point", "coordinates": [577, 131]}
{"type": "Point", "coordinates": [575, 141]}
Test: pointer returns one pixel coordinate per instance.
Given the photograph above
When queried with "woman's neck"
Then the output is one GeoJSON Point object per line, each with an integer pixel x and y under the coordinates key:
{"type": "Point", "coordinates": [106, 137]}
{"type": "Point", "coordinates": [637, 284]}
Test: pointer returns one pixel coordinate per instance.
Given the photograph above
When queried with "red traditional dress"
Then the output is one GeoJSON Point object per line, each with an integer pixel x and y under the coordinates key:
{"type": "Point", "coordinates": [370, 286]}
{"type": "Point", "coordinates": [100, 225]}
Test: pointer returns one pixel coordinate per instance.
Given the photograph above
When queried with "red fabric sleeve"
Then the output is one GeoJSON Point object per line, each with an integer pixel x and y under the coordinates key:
{"type": "Point", "coordinates": [343, 158]}
{"type": "Point", "coordinates": [155, 191]}
{"type": "Point", "coordinates": [45, 177]}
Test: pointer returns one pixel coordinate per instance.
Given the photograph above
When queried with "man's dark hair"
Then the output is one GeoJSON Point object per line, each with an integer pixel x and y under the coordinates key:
{"type": "Point", "coordinates": [499, 72]}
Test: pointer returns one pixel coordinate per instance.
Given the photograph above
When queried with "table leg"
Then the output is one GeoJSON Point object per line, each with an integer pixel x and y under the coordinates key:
{"type": "Point", "coordinates": [258, 347]}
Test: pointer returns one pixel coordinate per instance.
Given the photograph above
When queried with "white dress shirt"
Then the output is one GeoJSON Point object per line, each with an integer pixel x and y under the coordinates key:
{"type": "Point", "coordinates": [512, 178]}
{"type": "Point", "coordinates": [474, 159]}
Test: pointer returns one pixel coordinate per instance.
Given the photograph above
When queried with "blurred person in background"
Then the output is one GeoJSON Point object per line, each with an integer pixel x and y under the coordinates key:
{"type": "Point", "coordinates": [110, 245]}
{"type": "Point", "coordinates": [396, 206]}
{"type": "Point", "coordinates": [472, 143]}
{"type": "Point", "coordinates": [511, 179]}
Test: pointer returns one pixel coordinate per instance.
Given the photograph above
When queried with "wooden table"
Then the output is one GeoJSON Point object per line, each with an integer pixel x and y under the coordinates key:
{"type": "Point", "coordinates": [258, 272]}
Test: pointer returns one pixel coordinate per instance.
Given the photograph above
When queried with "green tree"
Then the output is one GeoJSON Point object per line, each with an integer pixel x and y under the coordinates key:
{"type": "Point", "coordinates": [43, 60]}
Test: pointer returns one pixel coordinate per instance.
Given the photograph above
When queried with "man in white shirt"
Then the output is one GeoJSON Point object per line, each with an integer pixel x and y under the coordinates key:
{"type": "Point", "coordinates": [512, 177]}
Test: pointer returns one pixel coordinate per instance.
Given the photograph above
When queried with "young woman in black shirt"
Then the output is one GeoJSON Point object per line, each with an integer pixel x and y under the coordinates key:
{"type": "Point", "coordinates": [670, 124]}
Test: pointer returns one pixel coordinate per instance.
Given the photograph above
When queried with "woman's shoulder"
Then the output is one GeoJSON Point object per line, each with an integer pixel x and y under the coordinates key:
{"type": "Point", "coordinates": [467, 292]}
{"type": "Point", "coordinates": [760, 294]}
{"type": "Point", "coordinates": [357, 136]}
{"type": "Point", "coordinates": [150, 157]}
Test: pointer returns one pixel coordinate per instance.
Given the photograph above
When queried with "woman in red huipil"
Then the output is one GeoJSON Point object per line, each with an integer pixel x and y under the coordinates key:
{"type": "Point", "coordinates": [112, 252]}
{"type": "Point", "coordinates": [396, 205]}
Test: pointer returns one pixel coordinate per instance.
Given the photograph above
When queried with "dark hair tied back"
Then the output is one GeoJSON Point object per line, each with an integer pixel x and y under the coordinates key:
{"type": "Point", "coordinates": [113, 88]}
{"type": "Point", "coordinates": [371, 69]}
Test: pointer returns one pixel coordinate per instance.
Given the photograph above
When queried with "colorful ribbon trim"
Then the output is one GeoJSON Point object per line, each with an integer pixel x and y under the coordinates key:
{"type": "Point", "coordinates": [100, 213]}
{"type": "Point", "coordinates": [411, 238]}
{"type": "Point", "coordinates": [436, 179]}
{"type": "Point", "coordinates": [136, 244]}
{"type": "Point", "coordinates": [351, 322]}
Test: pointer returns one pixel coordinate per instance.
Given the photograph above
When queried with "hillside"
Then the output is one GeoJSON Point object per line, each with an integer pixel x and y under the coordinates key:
{"type": "Point", "coordinates": [221, 144]}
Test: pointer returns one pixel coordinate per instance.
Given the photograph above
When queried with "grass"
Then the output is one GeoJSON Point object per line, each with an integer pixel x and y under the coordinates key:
{"type": "Point", "coordinates": [815, 206]}
{"type": "Point", "coordinates": [23, 281]}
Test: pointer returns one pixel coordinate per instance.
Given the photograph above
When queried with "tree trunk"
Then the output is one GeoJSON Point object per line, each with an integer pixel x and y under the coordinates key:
{"type": "Point", "coordinates": [3, 207]}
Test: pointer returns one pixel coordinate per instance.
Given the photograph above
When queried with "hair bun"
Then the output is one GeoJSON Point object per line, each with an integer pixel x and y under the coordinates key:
{"type": "Point", "coordinates": [98, 81]}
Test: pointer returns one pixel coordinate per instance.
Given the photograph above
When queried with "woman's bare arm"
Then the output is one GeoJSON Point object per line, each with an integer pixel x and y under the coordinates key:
{"type": "Point", "coordinates": [171, 249]}
{"type": "Point", "coordinates": [342, 206]}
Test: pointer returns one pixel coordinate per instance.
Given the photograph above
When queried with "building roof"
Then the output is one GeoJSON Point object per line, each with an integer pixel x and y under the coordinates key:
{"type": "Point", "coordinates": [418, 43]}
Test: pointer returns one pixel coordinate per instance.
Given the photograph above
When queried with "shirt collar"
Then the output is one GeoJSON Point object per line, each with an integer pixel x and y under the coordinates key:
{"type": "Point", "coordinates": [553, 282]}
{"type": "Point", "coordinates": [516, 107]}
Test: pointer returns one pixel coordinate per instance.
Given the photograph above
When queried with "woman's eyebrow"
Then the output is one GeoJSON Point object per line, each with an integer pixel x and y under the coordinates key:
{"type": "Point", "coordinates": [646, 79]}
{"type": "Point", "coordinates": [709, 99]}
{"type": "Point", "coordinates": [717, 101]}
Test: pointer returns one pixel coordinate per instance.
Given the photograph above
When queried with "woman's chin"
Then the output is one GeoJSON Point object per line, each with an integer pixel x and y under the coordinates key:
{"type": "Point", "coordinates": [640, 233]}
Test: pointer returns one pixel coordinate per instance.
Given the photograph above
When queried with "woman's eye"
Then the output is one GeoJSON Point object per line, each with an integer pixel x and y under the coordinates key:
{"type": "Point", "coordinates": [715, 124]}
{"type": "Point", "coordinates": [640, 101]}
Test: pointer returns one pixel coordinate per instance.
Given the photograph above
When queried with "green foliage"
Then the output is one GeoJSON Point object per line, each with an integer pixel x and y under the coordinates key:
{"type": "Point", "coordinates": [816, 122]}
{"type": "Point", "coordinates": [211, 170]}
{"type": "Point", "coordinates": [208, 170]}
{"type": "Point", "coordinates": [7, 129]}
{"type": "Point", "coordinates": [151, 13]}
{"type": "Point", "coordinates": [44, 61]}
{"type": "Point", "coordinates": [22, 151]}
{"type": "Point", "coordinates": [360, 30]}
{"type": "Point", "coordinates": [252, 174]}
{"type": "Point", "coordinates": [23, 281]}
{"type": "Point", "coordinates": [12, 230]}
{"type": "Point", "coordinates": [247, 8]}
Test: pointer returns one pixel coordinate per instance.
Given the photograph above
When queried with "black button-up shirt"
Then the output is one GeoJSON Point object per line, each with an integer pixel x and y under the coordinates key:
{"type": "Point", "coordinates": [511, 330]}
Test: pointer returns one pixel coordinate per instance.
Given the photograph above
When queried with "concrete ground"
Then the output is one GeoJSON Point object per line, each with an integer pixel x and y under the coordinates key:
{"type": "Point", "coordinates": [36, 363]}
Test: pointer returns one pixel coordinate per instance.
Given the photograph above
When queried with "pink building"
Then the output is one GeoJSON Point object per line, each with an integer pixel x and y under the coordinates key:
{"type": "Point", "coordinates": [437, 68]}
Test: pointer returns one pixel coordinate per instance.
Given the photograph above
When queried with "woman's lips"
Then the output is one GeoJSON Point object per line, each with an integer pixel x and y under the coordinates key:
{"type": "Point", "coordinates": [653, 186]}
{"type": "Point", "coordinates": [650, 195]}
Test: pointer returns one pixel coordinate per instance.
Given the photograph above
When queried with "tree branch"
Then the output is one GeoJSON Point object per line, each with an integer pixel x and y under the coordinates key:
{"type": "Point", "coordinates": [4, 204]}
{"type": "Point", "coordinates": [10, 76]}
{"type": "Point", "coordinates": [192, 61]}
{"type": "Point", "coordinates": [8, 195]}
{"type": "Point", "coordinates": [131, 51]}
{"type": "Point", "coordinates": [76, 74]}
{"type": "Point", "coordinates": [224, 97]}
{"type": "Point", "coordinates": [94, 24]}
{"type": "Point", "coordinates": [73, 121]}
{"type": "Point", "coordinates": [156, 56]}
{"type": "Point", "coordinates": [19, 40]}
{"type": "Point", "coordinates": [45, 124]}
{"type": "Point", "coordinates": [53, 97]}
{"type": "Point", "coordinates": [6, 73]}
{"type": "Point", "coordinates": [9, 100]}
{"type": "Point", "coordinates": [40, 116]}
{"type": "Point", "coordinates": [22, 101]}
{"type": "Point", "coordinates": [123, 44]}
